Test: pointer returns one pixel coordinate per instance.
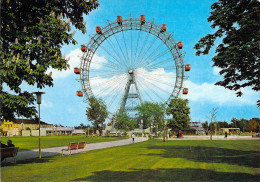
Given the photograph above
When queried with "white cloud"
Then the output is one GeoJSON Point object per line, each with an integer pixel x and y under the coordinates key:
{"type": "Point", "coordinates": [208, 92]}
{"type": "Point", "coordinates": [216, 70]}
{"type": "Point", "coordinates": [47, 104]}
{"type": "Point", "coordinates": [75, 60]}
{"type": "Point", "coordinates": [205, 92]}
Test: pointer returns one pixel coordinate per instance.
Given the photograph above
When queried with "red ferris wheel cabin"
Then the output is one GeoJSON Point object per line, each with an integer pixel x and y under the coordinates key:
{"type": "Point", "coordinates": [98, 30]}
{"type": "Point", "coordinates": [180, 44]}
{"type": "Point", "coordinates": [187, 67]}
{"type": "Point", "coordinates": [119, 20]}
{"type": "Point", "coordinates": [185, 91]}
{"type": "Point", "coordinates": [79, 94]}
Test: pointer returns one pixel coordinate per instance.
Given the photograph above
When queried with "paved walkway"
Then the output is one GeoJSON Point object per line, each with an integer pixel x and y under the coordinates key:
{"type": "Point", "coordinates": [55, 151]}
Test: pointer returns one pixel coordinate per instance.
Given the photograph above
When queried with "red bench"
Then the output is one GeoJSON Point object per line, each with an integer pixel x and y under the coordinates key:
{"type": "Point", "coordinates": [9, 152]}
{"type": "Point", "coordinates": [75, 146]}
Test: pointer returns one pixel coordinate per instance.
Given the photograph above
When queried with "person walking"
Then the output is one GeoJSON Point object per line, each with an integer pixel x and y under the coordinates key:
{"type": "Point", "coordinates": [133, 137]}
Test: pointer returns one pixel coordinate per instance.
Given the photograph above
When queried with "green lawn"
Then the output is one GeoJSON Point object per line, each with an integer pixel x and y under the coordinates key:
{"type": "Point", "coordinates": [148, 161]}
{"type": "Point", "coordinates": [27, 143]}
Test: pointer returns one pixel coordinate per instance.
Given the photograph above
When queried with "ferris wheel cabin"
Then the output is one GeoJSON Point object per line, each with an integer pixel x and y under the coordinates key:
{"type": "Point", "coordinates": [98, 30]}
{"type": "Point", "coordinates": [163, 28]}
{"type": "Point", "coordinates": [119, 20]}
{"type": "Point", "coordinates": [83, 48]}
{"type": "Point", "coordinates": [142, 19]}
{"type": "Point", "coordinates": [185, 91]}
{"type": "Point", "coordinates": [180, 44]}
{"type": "Point", "coordinates": [187, 67]}
{"type": "Point", "coordinates": [76, 70]}
{"type": "Point", "coordinates": [79, 94]}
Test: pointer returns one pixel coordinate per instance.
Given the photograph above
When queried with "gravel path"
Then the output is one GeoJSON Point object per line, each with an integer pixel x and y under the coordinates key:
{"type": "Point", "coordinates": [55, 151]}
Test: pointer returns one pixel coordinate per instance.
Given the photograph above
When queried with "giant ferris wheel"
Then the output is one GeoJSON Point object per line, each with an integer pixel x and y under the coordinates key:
{"type": "Point", "coordinates": [131, 61]}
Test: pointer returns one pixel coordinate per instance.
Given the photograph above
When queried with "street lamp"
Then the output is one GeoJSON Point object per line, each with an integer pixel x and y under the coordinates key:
{"type": "Point", "coordinates": [39, 101]}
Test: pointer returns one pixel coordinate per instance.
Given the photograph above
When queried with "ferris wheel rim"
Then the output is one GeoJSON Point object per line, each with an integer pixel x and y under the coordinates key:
{"type": "Point", "coordinates": [130, 25]}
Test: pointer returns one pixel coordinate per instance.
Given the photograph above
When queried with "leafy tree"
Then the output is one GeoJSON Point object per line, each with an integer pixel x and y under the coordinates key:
{"type": "Point", "coordinates": [237, 23]}
{"type": "Point", "coordinates": [223, 124]}
{"type": "Point", "coordinates": [124, 122]}
{"type": "Point", "coordinates": [81, 126]}
{"type": "Point", "coordinates": [32, 34]}
{"type": "Point", "coordinates": [243, 125]}
{"type": "Point", "coordinates": [97, 113]}
{"type": "Point", "coordinates": [151, 113]}
{"type": "Point", "coordinates": [89, 130]}
{"type": "Point", "coordinates": [234, 123]}
{"type": "Point", "coordinates": [205, 126]}
{"type": "Point", "coordinates": [254, 124]}
{"type": "Point", "coordinates": [179, 110]}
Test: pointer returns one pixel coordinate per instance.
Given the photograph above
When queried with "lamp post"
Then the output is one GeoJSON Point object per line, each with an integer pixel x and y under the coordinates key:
{"type": "Point", "coordinates": [39, 101]}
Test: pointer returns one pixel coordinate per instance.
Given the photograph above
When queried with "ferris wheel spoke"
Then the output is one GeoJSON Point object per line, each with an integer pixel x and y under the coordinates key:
{"type": "Point", "coordinates": [102, 76]}
{"type": "Point", "coordinates": [125, 60]}
{"type": "Point", "coordinates": [114, 49]}
{"type": "Point", "coordinates": [131, 60]}
{"type": "Point", "coordinates": [107, 82]}
{"type": "Point", "coordinates": [143, 90]}
{"type": "Point", "coordinates": [111, 55]}
{"type": "Point", "coordinates": [120, 87]}
{"type": "Point", "coordinates": [106, 87]}
{"type": "Point", "coordinates": [156, 57]}
{"type": "Point", "coordinates": [114, 96]}
{"type": "Point", "coordinates": [143, 45]}
{"type": "Point", "coordinates": [128, 60]}
{"type": "Point", "coordinates": [158, 76]}
{"type": "Point", "coordinates": [148, 48]}
{"type": "Point", "coordinates": [159, 63]}
{"type": "Point", "coordinates": [152, 89]}
{"type": "Point", "coordinates": [136, 46]}
{"type": "Point", "coordinates": [105, 71]}
{"type": "Point", "coordinates": [155, 85]}
{"type": "Point", "coordinates": [158, 80]}
{"type": "Point", "coordinates": [111, 65]}
{"type": "Point", "coordinates": [151, 54]}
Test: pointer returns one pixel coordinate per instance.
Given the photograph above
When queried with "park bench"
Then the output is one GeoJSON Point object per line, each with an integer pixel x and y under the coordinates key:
{"type": "Point", "coordinates": [75, 146]}
{"type": "Point", "coordinates": [9, 152]}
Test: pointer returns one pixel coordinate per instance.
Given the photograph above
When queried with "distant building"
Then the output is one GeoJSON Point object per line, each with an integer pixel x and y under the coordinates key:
{"type": "Point", "coordinates": [78, 132]}
{"type": "Point", "coordinates": [230, 130]}
{"type": "Point", "coordinates": [15, 128]}
{"type": "Point", "coordinates": [9, 128]}
{"type": "Point", "coordinates": [32, 124]}
{"type": "Point", "coordinates": [197, 126]}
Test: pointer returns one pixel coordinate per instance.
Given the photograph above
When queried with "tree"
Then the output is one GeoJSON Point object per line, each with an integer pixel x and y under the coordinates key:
{"type": "Point", "coordinates": [254, 124]}
{"type": "Point", "coordinates": [123, 121]}
{"type": "Point", "coordinates": [97, 113]}
{"type": "Point", "coordinates": [237, 23]}
{"type": "Point", "coordinates": [243, 125]}
{"type": "Point", "coordinates": [205, 126]}
{"type": "Point", "coordinates": [179, 110]}
{"type": "Point", "coordinates": [151, 113]}
{"type": "Point", "coordinates": [223, 124]}
{"type": "Point", "coordinates": [234, 123]}
{"type": "Point", "coordinates": [32, 34]}
{"type": "Point", "coordinates": [81, 126]}
{"type": "Point", "coordinates": [212, 117]}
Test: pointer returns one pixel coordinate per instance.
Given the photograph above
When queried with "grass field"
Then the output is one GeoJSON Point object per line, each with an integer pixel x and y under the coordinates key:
{"type": "Point", "coordinates": [153, 160]}
{"type": "Point", "coordinates": [27, 143]}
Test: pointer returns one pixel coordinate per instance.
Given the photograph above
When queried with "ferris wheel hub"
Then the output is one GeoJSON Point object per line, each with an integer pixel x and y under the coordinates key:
{"type": "Point", "coordinates": [130, 71]}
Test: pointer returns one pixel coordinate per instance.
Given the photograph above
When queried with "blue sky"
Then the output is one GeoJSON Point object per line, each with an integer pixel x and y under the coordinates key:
{"type": "Point", "coordinates": [188, 20]}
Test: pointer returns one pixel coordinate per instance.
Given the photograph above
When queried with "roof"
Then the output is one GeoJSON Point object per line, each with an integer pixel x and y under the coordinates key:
{"type": "Point", "coordinates": [28, 121]}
